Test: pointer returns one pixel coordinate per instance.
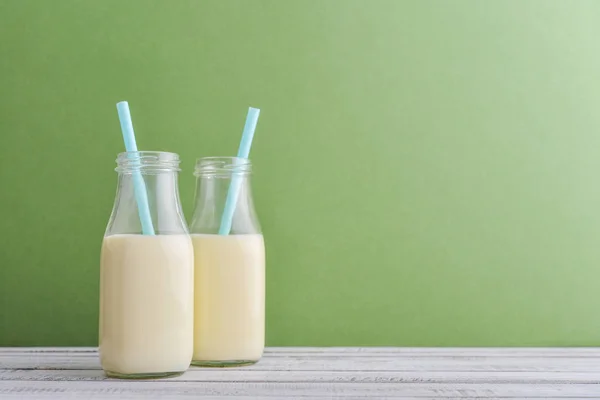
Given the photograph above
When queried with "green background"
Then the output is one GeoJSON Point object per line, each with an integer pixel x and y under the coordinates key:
{"type": "Point", "coordinates": [426, 172]}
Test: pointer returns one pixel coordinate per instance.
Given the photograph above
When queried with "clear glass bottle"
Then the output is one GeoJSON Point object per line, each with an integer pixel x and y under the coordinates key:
{"type": "Point", "coordinates": [146, 278]}
{"type": "Point", "coordinates": [229, 291]}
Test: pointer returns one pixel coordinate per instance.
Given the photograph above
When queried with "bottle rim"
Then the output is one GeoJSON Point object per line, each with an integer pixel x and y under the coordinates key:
{"type": "Point", "coordinates": [147, 162]}
{"type": "Point", "coordinates": [222, 166]}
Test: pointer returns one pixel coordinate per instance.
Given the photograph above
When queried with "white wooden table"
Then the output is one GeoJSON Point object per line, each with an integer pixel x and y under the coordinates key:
{"type": "Point", "coordinates": [318, 373]}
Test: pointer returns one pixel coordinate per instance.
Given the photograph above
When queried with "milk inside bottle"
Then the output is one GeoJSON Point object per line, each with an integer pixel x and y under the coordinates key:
{"type": "Point", "coordinates": [229, 292]}
{"type": "Point", "coordinates": [146, 276]}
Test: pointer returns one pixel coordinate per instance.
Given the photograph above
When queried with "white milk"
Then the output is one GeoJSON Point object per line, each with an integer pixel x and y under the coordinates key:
{"type": "Point", "coordinates": [229, 316]}
{"type": "Point", "coordinates": [146, 304]}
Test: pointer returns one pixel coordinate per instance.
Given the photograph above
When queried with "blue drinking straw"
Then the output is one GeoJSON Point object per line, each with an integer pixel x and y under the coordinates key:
{"type": "Point", "coordinates": [139, 187]}
{"type": "Point", "coordinates": [236, 182]}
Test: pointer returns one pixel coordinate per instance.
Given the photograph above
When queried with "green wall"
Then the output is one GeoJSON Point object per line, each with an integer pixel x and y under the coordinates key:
{"type": "Point", "coordinates": [426, 172]}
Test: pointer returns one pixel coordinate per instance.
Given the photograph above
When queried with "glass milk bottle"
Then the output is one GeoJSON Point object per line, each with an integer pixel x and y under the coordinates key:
{"type": "Point", "coordinates": [229, 308]}
{"type": "Point", "coordinates": [146, 272]}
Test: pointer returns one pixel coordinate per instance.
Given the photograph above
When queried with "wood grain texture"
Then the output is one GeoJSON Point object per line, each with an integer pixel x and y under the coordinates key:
{"type": "Point", "coordinates": [319, 373]}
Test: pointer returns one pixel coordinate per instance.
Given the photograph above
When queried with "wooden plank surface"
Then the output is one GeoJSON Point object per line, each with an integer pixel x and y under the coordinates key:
{"type": "Point", "coordinates": [319, 373]}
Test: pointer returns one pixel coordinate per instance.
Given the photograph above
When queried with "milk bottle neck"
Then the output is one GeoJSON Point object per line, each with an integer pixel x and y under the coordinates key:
{"type": "Point", "coordinates": [220, 180]}
{"type": "Point", "coordinates": [155, 174]}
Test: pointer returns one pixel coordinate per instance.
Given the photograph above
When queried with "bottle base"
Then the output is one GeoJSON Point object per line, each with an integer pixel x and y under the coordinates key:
{"type": "Point", "coordinates": [223, 364]}
{"type": "Point", "coordinates": [149, 375]}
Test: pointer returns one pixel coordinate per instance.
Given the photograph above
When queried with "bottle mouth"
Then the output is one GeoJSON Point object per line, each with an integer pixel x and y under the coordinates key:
{"type": "Point", "coordinates": [222, 166]}
{"type": "Point", "coordinates": [147, 161]}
